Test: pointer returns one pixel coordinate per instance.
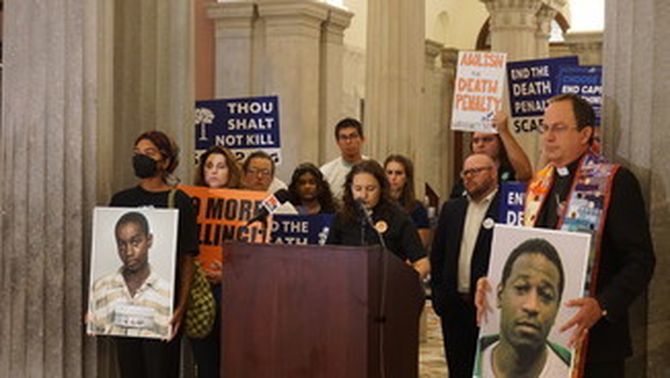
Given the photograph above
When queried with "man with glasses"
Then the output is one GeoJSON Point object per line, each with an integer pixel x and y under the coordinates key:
{"type": "Point", "coordinates": [350, 140]}
{"type": "Point", "coordinates": [258, 173]}
{"type": "Point", "coordinates": [510, 159]}
{"type": "Point", "coordinates": [581, 191]}
{"type": "Point", "coordinates": [460, 256]}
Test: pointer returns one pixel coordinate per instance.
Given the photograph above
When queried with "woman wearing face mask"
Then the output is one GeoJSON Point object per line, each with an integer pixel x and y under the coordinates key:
{"type": "Point", "coordinates": [155, 157]}
{"type": "Point", "coordinates": [510, 159]}
{"type": "Point", "coordinates": [217, 169]}
{"type": "Point", "coordinates": [366, 184]}
{"type": "Point", "coordinates": [310, 193]}
{"type": "Point", "coordinates": [400, 173]}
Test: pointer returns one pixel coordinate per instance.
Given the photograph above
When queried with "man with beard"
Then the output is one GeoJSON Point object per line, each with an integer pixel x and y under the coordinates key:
{"type": "Point", "coordinates": [460, 255]}
{"type": "Point", "coordinates": [528, 296]}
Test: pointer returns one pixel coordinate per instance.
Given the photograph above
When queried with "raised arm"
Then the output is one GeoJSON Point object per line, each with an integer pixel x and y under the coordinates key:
{"type": "Point", "coordinates": [517, 157]}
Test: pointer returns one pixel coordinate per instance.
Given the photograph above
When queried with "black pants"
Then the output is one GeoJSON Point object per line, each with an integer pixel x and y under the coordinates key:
{"type": "Point", "coordinates": [207, 351]}
{"type": "Point", "coordinates": [460, 332]}
{"type": "Point", "coordinates": [614, 369]}
{"type": "Point", "coordinates": [148, 358]}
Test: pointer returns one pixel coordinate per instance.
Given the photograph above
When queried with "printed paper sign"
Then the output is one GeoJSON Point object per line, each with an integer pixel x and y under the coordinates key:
{"type": "Point", "coordinates": [531, 83]}
{"type": "Point", "coordinates": [242, 125]}
{"type": "Point", "coordinates": [512, 198]}
{"type": "Point", "coordinates": [301, 229]}
{"type": "Point", "coordinates": [585, 81]}
{"type": "Point", "coordinates": [223, 215]}
{"type": "Point", "coordinates": [478, 90]}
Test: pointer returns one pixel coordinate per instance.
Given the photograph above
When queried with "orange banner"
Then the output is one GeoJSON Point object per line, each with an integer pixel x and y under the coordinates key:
{"type": "Point", "coordinates": [223, 215]}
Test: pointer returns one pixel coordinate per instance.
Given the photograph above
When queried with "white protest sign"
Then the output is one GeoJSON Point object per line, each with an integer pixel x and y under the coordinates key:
{"type": "Point", "coordinates": [478, 90]}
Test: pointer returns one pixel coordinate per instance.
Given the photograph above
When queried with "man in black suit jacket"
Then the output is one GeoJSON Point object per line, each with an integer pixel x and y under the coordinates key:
{"type": "Point", "coordinates": [626, 253]}
{"type": "Point", "coordinates": [460, 255]}
{"type": "Point", "coordinates": [626, 262]}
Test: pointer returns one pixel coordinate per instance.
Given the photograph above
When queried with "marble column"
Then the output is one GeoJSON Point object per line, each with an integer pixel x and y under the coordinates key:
{"type": "Point", "coordinates": [154, 81]}
{"type": "Point", "coordinates": [48, 168]}
{"type": "Point", "coordinates": [428, 166]}
{"type": "Point", "coordinates": [636, 59]}
{"type": "Point", "coordinates": [394, 80]}
{"type": "Point", "coordinates": [331, 80]}
{"type": "Point", "coordinates": [234, 33]}
{"type": "Point", "coordinates": [513, 27]}
{"type": "Point", "coordinates": [588, 46]}
{"type": "Point", "coordinates": [545, 16]}
{"type": "Point", "coordinates": [291, 63]}
{"type": "Point", "coordinates": [449, 58]}
{"type": "Point", "coordinates": [521, 29]}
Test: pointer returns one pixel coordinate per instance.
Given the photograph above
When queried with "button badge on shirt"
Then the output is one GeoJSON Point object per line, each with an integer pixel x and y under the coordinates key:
{"type": "Point", "coordinates": [381, 226]}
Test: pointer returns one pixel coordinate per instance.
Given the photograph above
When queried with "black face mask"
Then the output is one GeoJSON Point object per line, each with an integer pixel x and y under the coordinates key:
{"type": "Point", "coordinates": [144, 166]}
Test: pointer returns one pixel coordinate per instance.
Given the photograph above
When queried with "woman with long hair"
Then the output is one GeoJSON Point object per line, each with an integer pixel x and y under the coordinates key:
{"type": "Point", "coordinates": [310, 192]}
{"type": "Point", "coordinates": [217, 169]}
{"type": "Point", "coordinates": [367, 189]}
{"type": "Point", "coordinates": [155, 157]}
{"type": "Point", "coordinates": [400, 173]}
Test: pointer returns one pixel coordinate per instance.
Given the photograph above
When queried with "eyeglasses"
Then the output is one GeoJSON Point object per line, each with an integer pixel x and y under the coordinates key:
{"type": "Point", "coordinates": [556, 128]}
{"type": "Point", "coordinates": [474, 171]}
{"type": "Point", "coordinates": [259, 172]}
{"type": "Point", "coordinates": [348, 137]}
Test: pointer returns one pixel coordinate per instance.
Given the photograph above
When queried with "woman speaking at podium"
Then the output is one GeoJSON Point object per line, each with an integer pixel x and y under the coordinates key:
{"type": "Point", "coordinates": [370, 217]}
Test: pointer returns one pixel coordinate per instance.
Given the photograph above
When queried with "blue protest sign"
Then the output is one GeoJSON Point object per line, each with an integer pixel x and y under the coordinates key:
{"type": "Point", "coordinates": [512, 195]}
{"type": "Point", "coordinates": [242, 125]}
{"type": "Point", "coordinates": [531, 83]}
{"type": "Point", "coordinates": [300, 229]}
{"type": "Point", "coordinates": [585, 81]}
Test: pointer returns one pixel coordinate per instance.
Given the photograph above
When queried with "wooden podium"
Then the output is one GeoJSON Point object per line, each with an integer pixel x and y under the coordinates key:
{"type": "Point", "coordinates": [314, 311]}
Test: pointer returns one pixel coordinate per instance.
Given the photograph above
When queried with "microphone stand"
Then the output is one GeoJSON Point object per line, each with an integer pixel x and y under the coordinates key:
{"type": "Point", "coordinates": [364, 223]}
{"type": "Point", "coordinates": [383, 262]}
{"type": "Point", "coordinates": [365, 220]}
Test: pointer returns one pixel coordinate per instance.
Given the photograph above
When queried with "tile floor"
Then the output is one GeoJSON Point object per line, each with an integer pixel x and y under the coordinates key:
{"type": "Point", "coordinates": [431, 351]}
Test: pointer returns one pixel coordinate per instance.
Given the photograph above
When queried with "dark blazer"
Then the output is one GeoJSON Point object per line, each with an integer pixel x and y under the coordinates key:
{"type": "Point", "coordinates": [626, 265]}
{"type": "Point", "coordinates": [447, 248]}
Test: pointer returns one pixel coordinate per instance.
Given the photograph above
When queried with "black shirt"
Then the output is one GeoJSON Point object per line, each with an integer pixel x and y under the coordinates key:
{"type": "Point", "coordinates": [626, 260]}
{"type": "Point", "coordinates": [187, 241]}
{"type": "Point", "coordinates": [400, 234]}
{"type": "Point", "coordinates": [558, 195]}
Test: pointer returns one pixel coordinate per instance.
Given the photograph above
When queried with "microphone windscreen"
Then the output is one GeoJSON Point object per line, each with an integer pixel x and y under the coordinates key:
{"type": "Point", "coordinates": [360, 204]}
{"type": "Point", "coordinates": [282, 195]}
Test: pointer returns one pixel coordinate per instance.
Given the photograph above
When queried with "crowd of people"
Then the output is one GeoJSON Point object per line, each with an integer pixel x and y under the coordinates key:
{"type": "Point", "coordinates": [455, 253]}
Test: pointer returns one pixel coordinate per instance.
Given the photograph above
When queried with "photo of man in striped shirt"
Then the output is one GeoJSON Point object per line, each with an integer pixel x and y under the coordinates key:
{"type": "Point", "coordinates": [134, 300]}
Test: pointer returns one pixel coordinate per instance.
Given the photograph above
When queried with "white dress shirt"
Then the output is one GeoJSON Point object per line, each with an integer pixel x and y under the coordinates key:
{"type": "Point", "coordinates": [474, 217]}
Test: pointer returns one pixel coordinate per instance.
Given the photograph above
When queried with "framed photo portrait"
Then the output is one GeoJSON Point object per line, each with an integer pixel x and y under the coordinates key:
{"type": "Point", "coordinates": [532, 273]}
{"type": "Point", "coordinates": [133, 262]}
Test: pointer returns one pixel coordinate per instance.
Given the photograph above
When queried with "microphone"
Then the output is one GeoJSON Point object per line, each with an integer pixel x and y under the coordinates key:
{"type": "Point", "coordinates": [363, 211]}
{"type": "Point", "coordinates": [270, 205]}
